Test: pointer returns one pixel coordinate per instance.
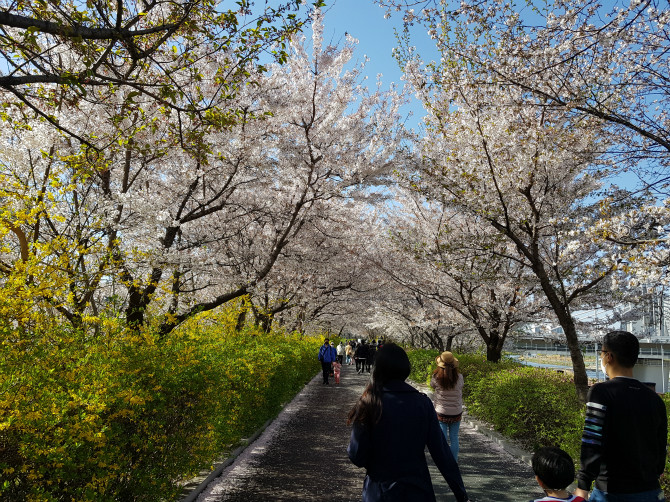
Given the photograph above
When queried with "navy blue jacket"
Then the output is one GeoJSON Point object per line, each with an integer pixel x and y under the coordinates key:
{"type": "Point", "coordinates": [393, 450]}
{"type": "Point", "coordinates": [327, 354]}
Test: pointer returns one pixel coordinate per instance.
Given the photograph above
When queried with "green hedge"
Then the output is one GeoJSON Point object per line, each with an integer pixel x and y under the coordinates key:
{"type": "Point", "coordinates": [535, 407]}
{"type": "Point", "coordinates": [124, 417]}
{"type": "Point", "coordinates": [423, 363]}
{"type": "Point", "coordinates": [665, 478]}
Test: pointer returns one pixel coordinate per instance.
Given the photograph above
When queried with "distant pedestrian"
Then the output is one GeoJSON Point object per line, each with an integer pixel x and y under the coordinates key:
{"type": "Point", "coordinates": [360, 356]}
{"type": "Point", "coordinates": [392, 425]}
{"type": "Point", "coordinates": [337, 368]}
{"type": "Point", "coordinates": [332, 371]}
{"type": "Point", "coordinates": [341, 351]}
{"type": "Point", "coordinates": [554, 471]}
{"type": "Point", "coordinates": [447, 382]}
{"type": "Point", "coordinates": [625, 431]}
{"type": "Point", "coordinates": [370, 358]}
{"type": "Point", "coordinates": [327, 356]}
{"type": "Point", "coordinates": [349, 351]}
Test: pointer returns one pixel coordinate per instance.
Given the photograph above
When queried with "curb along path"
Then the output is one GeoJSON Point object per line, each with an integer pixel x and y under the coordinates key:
{"type": "Point", "coordinates": [302, 456]}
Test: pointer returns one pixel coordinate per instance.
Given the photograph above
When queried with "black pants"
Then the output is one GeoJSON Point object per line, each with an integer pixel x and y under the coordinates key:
{"type": "Point", "coordinates": [326, 370]}
{"type": "Point", "coordinates": [368, 364]}
{"type": "Point", "coordinates": [359, 363]}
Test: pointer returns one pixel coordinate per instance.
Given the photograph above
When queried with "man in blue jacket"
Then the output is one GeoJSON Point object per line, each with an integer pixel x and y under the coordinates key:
{"type": "Point", "coordinates": [327, 356]}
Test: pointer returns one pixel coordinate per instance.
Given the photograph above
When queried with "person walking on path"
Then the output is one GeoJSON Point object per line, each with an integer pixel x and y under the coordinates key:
{"type": "Point", "coordinates": [337, 371]}
{"type": "Point", "coordinates": [341, 350]}
{"type": "Point", "coordinates": [625, 432]}
{"type": "Point", "coordinates": [361, 355]}
{"type": "Point", "coordinates": [350, 353]}
{"type": "Point", "coordinates": [447, 382]}
{"type": "Point", "coordinates": [327, 356]}
{"type": "Point", "coordinates": [370, 359]}
{"type": "Point", "coordinates": [392, 424]}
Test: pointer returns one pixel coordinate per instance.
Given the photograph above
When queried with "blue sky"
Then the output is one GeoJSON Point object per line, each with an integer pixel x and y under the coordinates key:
{"type": "Point", "coordinates": [364, 20]}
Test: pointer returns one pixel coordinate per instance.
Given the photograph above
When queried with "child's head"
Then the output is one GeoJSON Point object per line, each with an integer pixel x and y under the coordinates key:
{"type": "Point", "coordinates": [553, 467]}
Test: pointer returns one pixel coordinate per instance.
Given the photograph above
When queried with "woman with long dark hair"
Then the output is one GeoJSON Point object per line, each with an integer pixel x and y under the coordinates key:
{"type": "Point", "coordinates": [447, 382]}
{"type": "Point", "coordinates": [392, 425]}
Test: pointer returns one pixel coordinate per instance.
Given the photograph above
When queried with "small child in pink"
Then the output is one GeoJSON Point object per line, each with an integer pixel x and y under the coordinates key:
{"type": "Point", "coordinates": [336, 371]}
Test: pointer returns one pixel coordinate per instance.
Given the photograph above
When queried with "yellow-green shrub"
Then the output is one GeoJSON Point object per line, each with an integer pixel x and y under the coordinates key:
{"type": "Point", "coordinates": [124, 416]}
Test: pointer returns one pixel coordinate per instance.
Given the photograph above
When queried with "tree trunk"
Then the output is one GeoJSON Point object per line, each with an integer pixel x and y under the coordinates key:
{"type": "Point", "coordinates": [578, 367]}
{"type": "Point", "coordinates": [493, 344]}
{"type": "Point", "coordinates": [559, 304]}
{"type": "Point", "coordinates": [241, 319]}
{"type": "Point", "coordinates": [493, 349]}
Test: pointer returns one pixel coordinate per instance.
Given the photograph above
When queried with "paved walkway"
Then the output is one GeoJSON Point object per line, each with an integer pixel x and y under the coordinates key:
{"type": "Point", "coordinates": [302, 456]}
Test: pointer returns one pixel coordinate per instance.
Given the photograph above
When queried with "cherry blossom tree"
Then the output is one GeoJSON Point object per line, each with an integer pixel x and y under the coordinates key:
{"type": "Point", "coordinates": [606, 61]}
{"type": "Point", "coordinates": [184, 225]}
{"type": "Point", "coordinates": [463, 267]}
{"type": "Point", "coordinates": [55, 53]}
{"type": "Point", "coordinates": [596, 61]}
{"type": "Point", "coordinates": [319, 279]}
{"type": "Point", "coordinates": [524, 171]}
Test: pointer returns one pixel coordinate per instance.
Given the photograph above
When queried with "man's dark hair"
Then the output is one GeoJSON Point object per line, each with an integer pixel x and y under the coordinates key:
{"type": "Point", "coordinates": [326, 340]}
{"type": "Point", "coordinates": [624, 346]}
{"type": "Point", "coordinates": [554, 467]}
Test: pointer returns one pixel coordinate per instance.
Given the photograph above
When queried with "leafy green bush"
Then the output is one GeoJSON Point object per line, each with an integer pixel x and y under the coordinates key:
{"type": "Point", "coordinates": [124, 416]}
{"type": "Point", "coordinates": [534, 406]}
{"type": "Point", "coordinates": [665, 478]}
{"type": "Point", "coordinates": [475, 367]}
{"type": "Point", "coordinates": [423, 363]}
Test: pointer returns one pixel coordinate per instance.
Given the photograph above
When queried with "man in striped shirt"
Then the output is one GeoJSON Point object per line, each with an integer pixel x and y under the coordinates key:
{"type": "Point", "coordinates": [625, 433]}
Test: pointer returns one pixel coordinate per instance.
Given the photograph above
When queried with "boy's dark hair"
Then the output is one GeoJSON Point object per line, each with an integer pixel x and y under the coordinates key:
{"type": "Point", "coordinates": [554, 467]}
{"type": "Point", "coordinates": [624, 346]}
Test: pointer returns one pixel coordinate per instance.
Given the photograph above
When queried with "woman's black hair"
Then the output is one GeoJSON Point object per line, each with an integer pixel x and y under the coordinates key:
{"type": "Point", "coordinates": [391, 363]}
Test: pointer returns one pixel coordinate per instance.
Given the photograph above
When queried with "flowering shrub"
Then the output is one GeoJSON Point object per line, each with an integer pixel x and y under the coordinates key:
{"type": "Point", "coordinates": [475, 367]}
{"type": "Point", "coordinates": [124, 416]}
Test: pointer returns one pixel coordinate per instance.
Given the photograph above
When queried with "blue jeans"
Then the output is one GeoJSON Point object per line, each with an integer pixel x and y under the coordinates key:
{"type": "Point", "coordinates": [650, 496]}
{"type": "Point", "coordinates": [450, 432]}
